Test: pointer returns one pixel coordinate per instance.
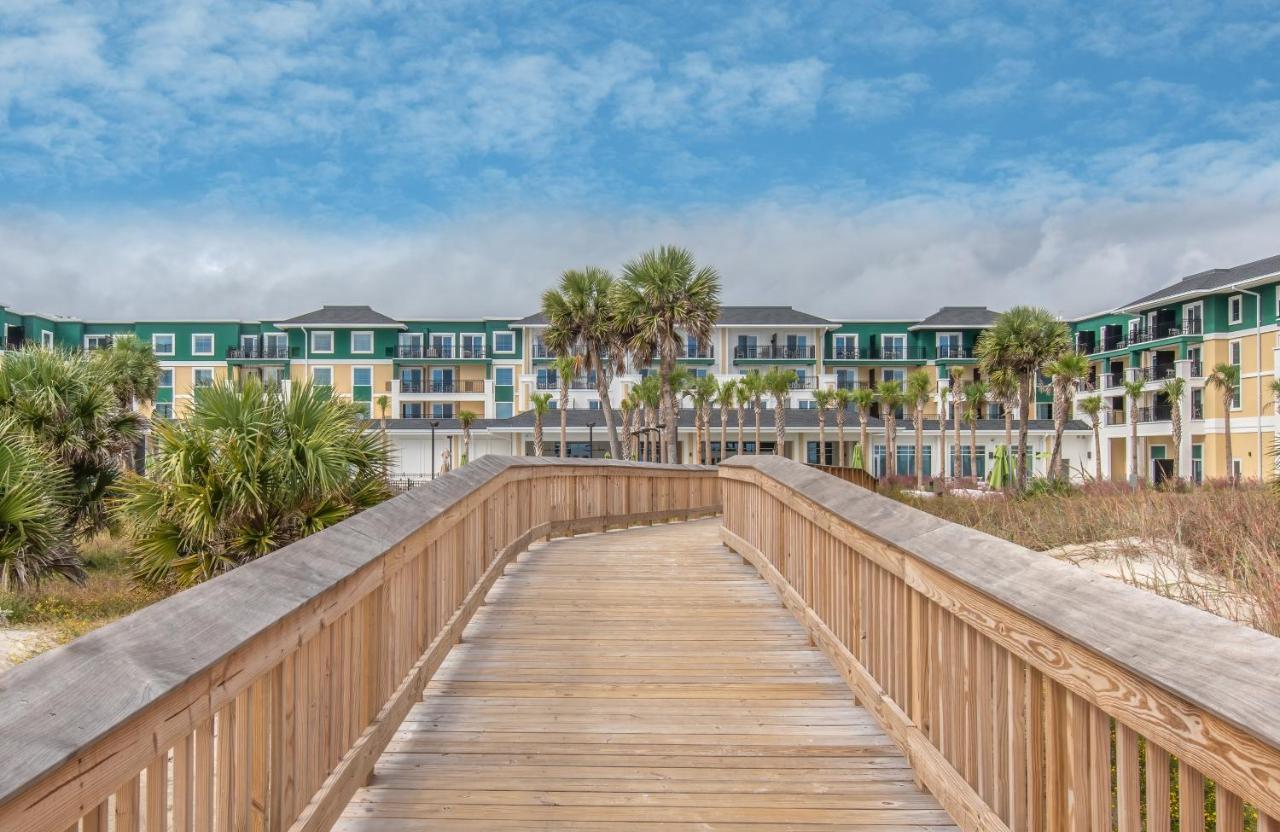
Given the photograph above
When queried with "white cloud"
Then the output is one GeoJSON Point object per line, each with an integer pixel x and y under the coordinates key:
{"type": "Point", "coordinates": [995, 86]}
{"type": "Point", "coordinates": [873, 99]}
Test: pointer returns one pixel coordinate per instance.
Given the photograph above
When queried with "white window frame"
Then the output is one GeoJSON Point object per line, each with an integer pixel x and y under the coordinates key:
{"type": "Point", "coordinates": [160, 385]}
{"type": "Point", "coordinates": [497, 405]}
{"type": "Point", "coordinates": [449, 338]}
{"type": "Point", "coordinates": [511, 370]}
{"type": "Point", "coordinates": [1235, 309]}
{"type": "Point", "coordinates": [1235, 352]}
{"type": "Point", "coordinates": [213, 343]}
{"type": "Point", "coordinates": [357, 332]}
{"type": "Point", "coordinates": [311, 339]}
{"type": "Point", "coordinates": [884, 349]}
{"type": "Point", "coordinates": [312, 374]}
{"type": "Point", "coordinates": [46, 339]}
{"type": "Point", "coordinates": [937, 341]}
{"type": "Point", "coordinates": [847, 337]}
{"type": "Point", "coordinates": [463, 336]}
{"type": "Point", "coordinates": [95, 338]}
{"type": "Point", "coordinates": [271, 337]}
{"type": "Point", "coordinates": [498, 332]}
{"type": "Point", "coordinates": [1198, 306]}
{"type": "Point", "coordinates": [213, 377]}
{"type": "Point", "coordinates": [356, 367]}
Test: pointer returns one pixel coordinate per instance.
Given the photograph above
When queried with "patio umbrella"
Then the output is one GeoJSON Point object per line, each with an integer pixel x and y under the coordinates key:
{"type": "Point", "coordinates": [1001, 473]}
{"type": "Point", "coordinates": [855, 459]}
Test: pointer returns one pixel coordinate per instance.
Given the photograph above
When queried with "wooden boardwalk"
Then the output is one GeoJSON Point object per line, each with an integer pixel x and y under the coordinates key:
{"type": "Point", "coordinates": [638, 679]}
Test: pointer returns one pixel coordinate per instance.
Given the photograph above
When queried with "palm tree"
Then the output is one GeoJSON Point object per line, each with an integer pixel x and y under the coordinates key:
{"type": "Point", "coordinates": [466, 419]}
{"type": "Point", "coordinates": [1173, 390]}
{"type": "Point", "coordinates": [919, 392]}
{"type": "Point", "coordinates": [567, 366]}
{"type": "Point", "coordinates": [1022, 341]}
{"type": "Point", "coordinates": [628, 407]}
{"type": "Point", "coordinates": [823, 400]}
{"type": "Point", "coordinates": [1092, 406]}
{"type": "Point", "coordinates": [680, 380]}
{"type": "Point", "coordinates": [955, 385]}
{"type": "Point", "coordinates": [863, 399]}
{"type": "Point", "coordinates": [842, 400]}
{"type": "Point", "coordinates": [1003, 386]}
{"type": "Point", "coordinates": [131, 368]}
{"type": "Point", "coordinates": [541, 403]}
{"type": "Point", "coordinates": [728, 399]}
{"type": "Point", "coordinates": [1133, 390]}
{"type": "Point", "coordinates": [384, 404]}
{"type": "Point", "coordinates": [247, 472]}
{"type": "Point", "coordinates": [753, 388]}
{"type": "Point", "coordinates": [891, 398]}
{"type": "Point", "coordinates": [975, 402]}
{"type": "Point", "coordinates": [710, 391]}
{"type": "Point", "coordinates": [741, 396]}
{"type": "Point", "coordinates": [778, 382]}
{"type": "Point", "coordinates": [701, 391]}
{"type": "Point", "coordinates": [1065, 371]}
{"type": "Point", "coordinates": [36, 540]}
{"type": "Point", "coordinates": [581, 320]}
{"type": "Point", "coordinates": [1225, 378]}
{"type": "Point", "coordinates": [649, 392]}
{"type": "Point", "coordinates": [661, 294]}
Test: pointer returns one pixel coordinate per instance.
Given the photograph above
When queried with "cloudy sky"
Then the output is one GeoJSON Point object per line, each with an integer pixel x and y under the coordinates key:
{"type": "Point", "coordinates": [251, 159]}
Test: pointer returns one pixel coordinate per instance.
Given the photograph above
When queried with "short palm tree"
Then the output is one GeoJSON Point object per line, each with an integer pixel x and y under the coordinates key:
{"type": "Point", "coordinates": [567, 366]}
{"type": "Point", "coordinates": [728, 398]}
{"type": "Point", "coordinates": [864, 398]}
{"type": "Point", "coordinates": [129, 365]}
{"type": "Point", "coordinates": [1003, 386]}
{"type": "Point", "coordinates": [740, 398]}
{"type": "Point", "coordinates": [248, 471]}
{"type": "Point", "coordinates": [1225, 378]}
{"type": "Point", "coordinates": [680, 380]}
{"type": "Point", "coordinates": [627, 407]}
{"type": "Point", "coordinates": [778, 382]}
{"type": "Point", "coordinates": [384, 404]}
{"type": "Point", "coordinates": [1067, 369]}
{"type": "Point", "coordinates": [822, 402]}
{"type": "Point", "coordinates": [36, 498]}
{"type": "Point", "coordinates": [1091, 406]}
{"type": "Point", "coordinates": [1022, 341]}
{"type": "Point", "coordinates": [891, 397]}
{"type": "Point", "coordinates": [649, 393]}
{"type": "Point", "coordinates": [581, 320]}
{"type": "Point", "coordinates": [663, 297]}
{"type": "Point", "coordinates": [975, 402]}
{"type": "Point", "coordinates": [1173, 390]}
{"type": "Point", "coordinates": [919, 393]}
{"type": "Point", "coordinates": [540, 403]}
{"type": "Point", "coordinates": [701, 392]}
{"type": "Point", "coordinates": [754, 388]}
{"type": "Point", "coordinates": [466, 419]}
{"type": "Point", "coordinates": [1133, 391]}
{"type": "Point", "coordinates": [842, 398]}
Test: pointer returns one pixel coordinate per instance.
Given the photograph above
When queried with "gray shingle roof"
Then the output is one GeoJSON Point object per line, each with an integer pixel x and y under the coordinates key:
{"type": "Point", "coordinates": [1208, 281]}
{"type": "Point", "coordinates": [342, 316]}
{"type": "Point", "coordinates": [734, 316]}
{"type": "Point", "coordinates": [965, 317]}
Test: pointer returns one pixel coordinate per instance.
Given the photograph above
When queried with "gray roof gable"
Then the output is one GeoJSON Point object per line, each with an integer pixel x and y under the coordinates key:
{"type": "Point", "coordinates": [1211, 280]}
{"type": "Point", "coordinates": [963, 317]}
{"type": "Point", "coordinates": [342, 316]}
{"type": "Point", "coordinates": [733, 316]}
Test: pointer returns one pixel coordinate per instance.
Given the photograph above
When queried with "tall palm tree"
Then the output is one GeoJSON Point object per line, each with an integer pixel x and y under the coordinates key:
{"type": "Point", "coordinates": [649, 392]}
{"type": "Point", "coordinates": [680, 380]}
{"type": "Point", "coordinates": [728, 397]}
{"type": "Point", "coordinates": [955, 386]}
{"type": "Point", "coordinates": [1003, 386]}
{"type": "Point", "coordinates": [130, 366]}
{"type": "Point", "coordinates": [540, 403]}
{"type": "Point", "coordinates": [701, 391]}
{"type": "Point", "coordinates": [567, 366]}
{"type": "Point", "coordinates": [891, 398]}
{"type": "Point", "coordinates": [581, 320]}
{"type": "Point", "coordinates": [1225, 378]}
{"type": "Point", "coordinates": [662, 297]}
{"type": "Point", "coordinates": [1092, 407]}
{"type": "Point", "coordinates": [741, 397]}
{"type": "Point", "coordinates": [1022, 341]}
{"type": "Point", "coordinates": [975, 402]}
{"type": "Point", "coordinates": [822, 401]}
{"type": "Point", "coordinates": [754, 389]}
{"type": "Point", "coordinates": [247, 472]}
{"type": "Point", "coordinates": [919, 392]}
{"type": "Point", "coordinates": [1173, 390]}
{"type": "Point", "coordinates": [842, 399]}
{"type": "Point", "coordinates": [466, 419]}
{"type": "Point", "coordinates": [1133, 391]}
{"type": "Point", "coordinates": [778, 382]}
{"type": "Point", "coordinates": [710, 390]}
{"type": "Point", "coordinates": [863, 399]}
{"type": "Point", "coordinates": [1065, 371]}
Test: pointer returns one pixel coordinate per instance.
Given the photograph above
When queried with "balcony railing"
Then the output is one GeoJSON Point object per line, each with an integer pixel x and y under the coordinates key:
{"type": "Point", "coordinates": [1155, 372]}
{"type": "Point", "coordinates": [1109, 380]}
{"type": "Point", "coordinates": [463, 386]}
{"type": "Point", "coordinates": [887, 354]}
{"type": "Point", "coordinates": [1116, 416]}
{"type": "Point", "coordinates": [435, 351]}
{"type": "Point", "coordinates": [848, 384]}
{"type": "Point", "coordinates": [575, 384]}
{"type": "Point", "coordinates": [1191, 326]}
{"type": "Point", "coordinates": [955, 352]}
{"type": "Point", "coordinates": [262, 352]}
{"type": "Point", "coordinates": [1197, 369]}
{"type": "Point", "coordinates": [770, 352]}
{"type": "Point", "coordinates": [805, 383]}
{"type": "Point", "coordinates": [1155, 413]}
{"type": "Point", "coordinates": [1197, 410]}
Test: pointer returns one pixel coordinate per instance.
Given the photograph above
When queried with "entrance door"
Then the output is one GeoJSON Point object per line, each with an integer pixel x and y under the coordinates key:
{"type": "Point", "coordinates": [1161, 470]}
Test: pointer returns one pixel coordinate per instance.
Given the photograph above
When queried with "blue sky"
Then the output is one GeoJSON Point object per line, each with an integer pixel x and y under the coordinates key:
{"type": "Point", "coordinates": [1075, 153]}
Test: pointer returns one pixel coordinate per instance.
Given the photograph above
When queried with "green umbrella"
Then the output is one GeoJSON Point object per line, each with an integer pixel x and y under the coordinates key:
{"type": "Point", "coordinates": [1001, 473]}
{"type": "Point", "coordinates": [855, 459]}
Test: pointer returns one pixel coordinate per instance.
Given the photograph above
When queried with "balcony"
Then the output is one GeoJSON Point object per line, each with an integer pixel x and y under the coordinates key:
{"type": "Point", "coordinates": [575, 384]}
{"type": "Point", "coordinates": [1191, 326]}
{"type": "Point", "coordinates": [1155, 413]}
{"type": "Point", "coordinates": [805, 383]}
{"type": "Point", "coordinates": [771, 352]}
{"type": "Point", "coordinates": [848, 384]}
{"type": "Point", "coordinates": [1197, 369]}
{"type": "Point", "coordinates": [447, 351]}
{"type": "Point", "coordinates": [262, 353]}
{"type": "Point", "coordinates": [1197, 410]}
{"type": "Point", "coordinates": [1156, 372]}
{"type": "Point", "coordinates": [890, 354]}
{"type": "Point", "coordinates": [463, 386]}
{"type": "Point", "coordinates": [954, 353]}
{"type": "Point", "coordinates": [703, 352]}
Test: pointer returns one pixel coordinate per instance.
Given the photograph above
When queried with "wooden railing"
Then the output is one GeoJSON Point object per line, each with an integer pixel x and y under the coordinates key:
{"type": "Point", "coordinates": [857, 476]}
{"type": "Point", "coordinates": [1027, 694]}
{"type": "Point", "coordinates": [261, 699]}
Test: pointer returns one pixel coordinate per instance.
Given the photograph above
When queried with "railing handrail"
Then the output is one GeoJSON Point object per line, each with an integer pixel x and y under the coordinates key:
{"type": "Point", "coordinates": [1208, 696]}
{"type": "Point", "coordinates": [81, 722]}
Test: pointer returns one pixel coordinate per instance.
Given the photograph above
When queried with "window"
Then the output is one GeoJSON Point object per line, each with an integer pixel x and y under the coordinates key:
{"type": "Point", "coordinates": [165, 382]}
{"type": "Point", "coordinates": [97, 342]}
{"type": "Point", "coordinates": [830, 455]}
{"type": "Point", "coordinates": [322, 376]}
{"type": "Point", "coordinates": [411, 410]}
{"type": "Point", "coordinates": [275, 345]}
{"type": "Point", "coordinates": [1237, 469]}
{"type": "Point", "coordinates": [410, 345]}
{"type": "Point", "coordinates": [441, 410]}
{"type": "Point", "coordinates": [746, 347]}
{"type": "Point", "coordinates": [950, 345]}
{"type": "Point", "coordinates": [547, 379]}
{"type": "Point", "coordinates": [845, 346]}
{"type": "Point", "coordinates": [893, 347]}
{"type": "Point", "coordinates": [504, 342]}
{"type": "Point", "coordinates": [503, 376]}
{"type": "Point", "coordinates": [503, 410]}
{"type": "Point", "coordinates": [361, 376]}
{"type": "Point", "coordinates": [202, 343]}
{"type": "Point", "coordinates": [906, 460]}
{"type": "Point", "coordinates": [162, 410]}
{"type": "Point", "coordinates": [1235, 309]}
{"type": "Point", "coordinates": [162, 343]}
{"type": "Point", "coordinates": [807, 404]}
{"type": "Point", "coordinates": [202, 377]}
{"type": "Point", "coordinates": [472, 346]}
{"type": "Point", "coordinates": [593, 404]}
{"type": "Point", "coordinates": [361, 343]}
{"type": "Point", "coordinates": [46, 339]}
{"type": "Point", "coordinates": [441, 346]}
{"type": "Point", "coordinates": [322, 342]}
{"type": "Point", "coordinates": [966, 464]}
{"type": "Point", "coordinates": [1234, 352]}
{"type": "Point", "coordinates": [1197, 464]}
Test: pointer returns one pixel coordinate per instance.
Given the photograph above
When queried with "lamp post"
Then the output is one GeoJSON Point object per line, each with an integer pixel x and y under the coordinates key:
{"type": "Point", "coordinates": [434, 424]}
{"type": "Point", "coordinates": [591, 440]}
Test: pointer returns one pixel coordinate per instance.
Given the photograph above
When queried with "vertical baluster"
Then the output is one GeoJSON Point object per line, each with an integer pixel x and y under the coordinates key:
{"type": "Point", "coordinates": [1128, 785]}
{"type": "Point", "coordinates": [1099, 769]}
{"type": "Point", "coordinates": [1035, 771]}
{"type": "Point", "coordinates": [1230, 811]}
{"type": "Point", "coordinates": [202, 811]}
{"type": "Point", "coordinates": [260, 719]}
{"type": "Point", "coordinates": [1078, 791]}
{"type": "Point", "coordinates": [128, 801]}
{"type": "Point", "coordinates": [1159, 810]}
{"type": "Point", "coordinates": [239, 819]}
{"type": "Point", "coordinates": [225, 782]}
{"type": "Point", "coordinates": [1190, 798]}
{"type": "Point", "coordinates": [158, 794]}
{"type": "Point", "coordinates": [983, 733]}
{"type": "Point", "coordinates": [1055, 756]}
{"type": "Point", "coordinates": [183, 764]}
{"type": "Point", "coordinates": [97, 818]}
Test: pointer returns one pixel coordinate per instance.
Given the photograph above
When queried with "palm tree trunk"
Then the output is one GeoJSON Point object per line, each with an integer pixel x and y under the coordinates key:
{"type": "Point", "coordinates": [1097, 449]}
{"type": "Point", "coordinates": [724, 432]}
{"type": "Point", "coordinates": [919, 420]}
{"type": "Point", "coordinates": [822, 437]}
{"type": "Point", "coordinates": [537, 434]}
{"type": "Point", "coordinates": [1008, 425]}
{"type": "Point", "coordinates": [1135, 476]}
{"type": "Point", "coordinates": [606, 407]}
{"type": "Point", "coordinates": [756, 406]}
{"type": "Point", "coordinates": [1227, 398]}
{"type": "Point", "coordinates": [863, 438]}
{"type": "Point", "coordinates": [890, 443]}
{"type": "Point", "coordinates": [840, 416]}
{"type": "Point", "coordinates": [973, 447]}
{"type": "Point", "coordinates": [1175, 413]}
{"type": "Point", "coordinates": [706, 434]}
{"type": "Point", "coordinates": [564, 417]}
{"type": "Point", "coordinates": [779, 424]}
{"type": "Point", "coordinates": [667, 367]}
{"type": "Point", "coordinates": [742, 417]}
{"type": "Point", "coordinates": [1024, 414]}
{"type": "Point", "coordinates": [1059, 425]}
{"type": "Point", "coordinates": [697, 435]}
{"type": "Point", "coordinates": [957, 467]}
